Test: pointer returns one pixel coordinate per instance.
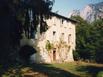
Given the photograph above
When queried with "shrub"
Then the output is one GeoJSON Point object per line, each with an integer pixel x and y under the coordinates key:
{"type": "Point", "coordinates": [76, 55]}
{"type": "Point", "coordinates": [100, 74]}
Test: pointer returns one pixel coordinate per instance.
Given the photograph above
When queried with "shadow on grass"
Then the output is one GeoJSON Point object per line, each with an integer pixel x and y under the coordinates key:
{"type": "Point", "coordinates": [90, 69]}
{"type": "Point", "coordinates": [46, 69]}
{"type": "Point", "coordinates": [51, 71]}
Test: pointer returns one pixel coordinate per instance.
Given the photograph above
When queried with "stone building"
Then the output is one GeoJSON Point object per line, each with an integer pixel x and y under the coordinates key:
{"type": "Point", "coordinates": [58, 42]}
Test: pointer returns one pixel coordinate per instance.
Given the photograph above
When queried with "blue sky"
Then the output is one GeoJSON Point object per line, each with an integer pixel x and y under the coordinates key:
{"type": "Point", "coordinates": [65, 6]}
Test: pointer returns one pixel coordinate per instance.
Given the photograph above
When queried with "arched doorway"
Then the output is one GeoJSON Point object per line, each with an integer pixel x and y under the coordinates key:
{"type": "Point", "coordinates": [26, 51]}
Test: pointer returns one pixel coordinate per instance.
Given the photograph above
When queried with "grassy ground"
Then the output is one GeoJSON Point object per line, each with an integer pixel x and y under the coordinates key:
{"type": "Point", "coordinates": [74, 69]}
{"type": "Point", "coordinates": [81, 69]}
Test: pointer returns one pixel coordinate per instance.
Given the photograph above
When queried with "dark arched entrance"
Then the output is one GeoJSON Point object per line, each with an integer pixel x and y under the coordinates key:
{"type": "Point", "coordinates": [26, 51]}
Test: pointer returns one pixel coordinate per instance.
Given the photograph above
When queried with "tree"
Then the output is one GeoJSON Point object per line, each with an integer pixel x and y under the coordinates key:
{"type": "Point", "coordinates": [84, 43]}
{"type": "Point", "coordinates": [89, 39]}
{"type": "Point", "coordinates": [98, 33]}
{"type": "Point", "coordinates": [16, 17]}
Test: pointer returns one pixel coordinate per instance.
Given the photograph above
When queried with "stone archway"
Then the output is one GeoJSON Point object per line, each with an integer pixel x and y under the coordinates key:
{"type": "Point", "coordinates": [26, 51]}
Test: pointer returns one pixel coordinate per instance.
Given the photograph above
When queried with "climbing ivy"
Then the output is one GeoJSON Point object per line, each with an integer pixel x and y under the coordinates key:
{"type": "Point", "coordinates": [49, 45]}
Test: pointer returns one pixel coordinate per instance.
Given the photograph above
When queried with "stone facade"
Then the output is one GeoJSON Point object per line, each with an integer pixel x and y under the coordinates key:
{"type": "Point", "coordinates": [58, 42]}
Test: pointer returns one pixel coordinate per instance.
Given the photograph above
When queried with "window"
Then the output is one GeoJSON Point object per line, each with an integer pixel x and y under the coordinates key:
{"type": "Point", "coordinates": [62, 21]}
{"type": "Point", "coordinates": [54, 32]}
{"type": "Point", "coordinates": [62, 34]}
{"type": "Point", "coordinates": [69, 38]}
{"type": "Point", "coordinates": [54, 24]}
{"type": "Point", "coordinates": [69, 34]}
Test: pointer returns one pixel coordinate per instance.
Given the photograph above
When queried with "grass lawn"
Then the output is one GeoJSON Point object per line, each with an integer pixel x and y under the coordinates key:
{"type": "Point", "coordinates": [81, 69]}
{"type": "Point", "coordinates": [73, 69]}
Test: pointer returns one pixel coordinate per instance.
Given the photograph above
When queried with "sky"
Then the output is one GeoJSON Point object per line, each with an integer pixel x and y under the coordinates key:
{"type": "Point", "coordinates": [63, 7]}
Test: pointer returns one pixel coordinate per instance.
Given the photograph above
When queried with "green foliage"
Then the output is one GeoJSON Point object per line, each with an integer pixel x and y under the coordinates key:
{"type": "Point", "coordinates": [98, 30]}
{"type": "Point", "coordinates": [100, 74]}
{"type": "Point", "coordinates": [76, 55]}
{"type": "Point", "coordinates": [48, 46]}
{"type": "Point", "coordinates": [83, 32]}
{"type": "Point", "coordinates": [17, 17]}
{"type": "Point", "coordinates": [89, 39]}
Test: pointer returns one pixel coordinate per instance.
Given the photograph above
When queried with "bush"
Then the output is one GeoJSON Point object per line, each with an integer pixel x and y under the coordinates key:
{"type": "Point", "coordinates": [99, 56]}
{"type": "Point", "coordinates": [100, 74]}
{"type": "Point", "coordinates": [76, 55]}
